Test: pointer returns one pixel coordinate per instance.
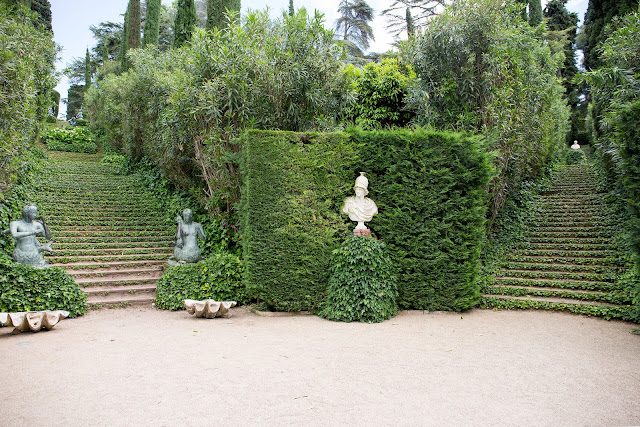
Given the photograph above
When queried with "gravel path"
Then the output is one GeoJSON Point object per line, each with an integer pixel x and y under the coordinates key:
{"type": "Point", "coordinates": [137, 367]}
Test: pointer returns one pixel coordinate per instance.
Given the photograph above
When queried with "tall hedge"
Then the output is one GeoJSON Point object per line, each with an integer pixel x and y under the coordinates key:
{"type": "Point", "coordinates": [430, 191]}
{"type": "Point", "coordinates": [290, 213]}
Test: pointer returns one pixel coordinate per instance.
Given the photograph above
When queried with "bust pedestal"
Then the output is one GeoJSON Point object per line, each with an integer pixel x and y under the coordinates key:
{"type": "Point", "coordinates": [362, 232]}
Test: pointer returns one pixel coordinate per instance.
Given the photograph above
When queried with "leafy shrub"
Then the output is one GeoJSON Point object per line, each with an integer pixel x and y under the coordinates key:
{"type": "Point", "coordinates": [574, 157]}
{"type": "Point", "coordinates": [362, 286]}
{"type": "Point", "coordinates": [218, 277]}
{"type": "Point", "coordinates": [51, 119]}
{"type": "Point", "coordinates": [76, 140]}
{"type": "Point", "coordinates": [82, 122]}
{"type": "Point", "coordinates": [118, 161]}
{"type": "Point", "coordinates": [24, 288]}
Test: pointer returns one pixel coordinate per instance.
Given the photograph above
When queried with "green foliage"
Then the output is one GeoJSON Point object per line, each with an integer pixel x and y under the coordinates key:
{"type": "Point", "coordinates": [293, 189]}
{"type": "Point", "coordinates": [218, 277]}
{"type": "Point", "coordinates": [152, 22]}
{"type": "Point", "coordinates": [23, 288]}
{"type": "Point", "coordinates": [87, 70]}
{"type": "Point", "coordinates": [184, 107]}
{"type": "Point", "coordinates": [118, 161]}
{"type": "Point", "coordinates": [218, 10]}
{"type": "Point", "coordinates": [76, 139]}
{"type": "Point", "coordinates": [574, 157]}
{"type": "Point", "coordinates": [381, 92]}
{"type": "Point", "coordinates": [75, 99]}
{"type": "Point", "coordinates": [535, 12]}
{"type": "Point", "coordinates": [43, 9]}
{"type": "Point", "coordinates": [362, 286]}
{"type": "Point", "coordinates": [185, 22]}
{"type": "Point", "coordinates": [353, 24]}
{"type": "Point", "coordinates": [429, 187]}
{"type": "Point", "coordinates": [430, 191]}
{"type": "Point", "coordinates": [483, 69]}
{"type": "Point", "coordinates": [26, 75]}
{"type": "Point", "coordinates": [131, 35]}
{"type": "Point", "coordinates": [599, 14]}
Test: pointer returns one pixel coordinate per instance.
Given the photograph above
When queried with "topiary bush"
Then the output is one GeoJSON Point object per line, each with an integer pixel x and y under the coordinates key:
{"type": "Point", "coordinates": [218, 277]}
{"type": "Point", "coordinates": [362, 286]}
{"type": "Point", "coordinates": [574, 157]}
{"type": "Point", "coordinates": [24, 288]}
{"type": "Point", "coordinates": [76, 140]}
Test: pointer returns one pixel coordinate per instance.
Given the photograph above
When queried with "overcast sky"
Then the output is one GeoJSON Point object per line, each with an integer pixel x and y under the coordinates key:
{"type": "Point", "coordinates": [72, 18]}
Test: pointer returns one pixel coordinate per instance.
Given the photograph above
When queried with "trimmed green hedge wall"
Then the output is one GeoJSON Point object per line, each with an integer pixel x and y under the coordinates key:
{"type": "Point", "coordinates": [430, 191]}
{"type": "Point", "coordinates": [290, 213]}
{"type": "Point", "coordinates": [429, 188]}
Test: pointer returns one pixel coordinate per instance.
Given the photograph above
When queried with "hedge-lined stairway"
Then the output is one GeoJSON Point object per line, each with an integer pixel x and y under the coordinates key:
{"type": "Point", "coordinates": [568, 261]}
{"type": "Point", "coordinates": [109, 234]}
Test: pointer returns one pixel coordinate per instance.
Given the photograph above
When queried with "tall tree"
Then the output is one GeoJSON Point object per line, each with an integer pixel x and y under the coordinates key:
{"type": "Point", "coordinates": [43, 9]}
{"type": "Point", "coordinates": [535, 12]}
{"type": "Point", "coordinates": [411, 29]}
{"type": "Point", "coordinates": [75, 97]}
{"type": "Point", "coordinates": [599, 14]}
{"type": "Point", "coordinates": [152, 22]}
{"type": "Point", "coordinates": [217, 10]}
{"type": "Point", "coordinates": [353, 23]}
{"type": "Point", "coordinates": [184, 23]}
{"type": "Point", "coordinates": [421, 12]}
{"type": "Point", "coordinates": [131, 35]}
{"type": "Point", "coordinates": [291, 8]}
{"type": "Point", "coordinates": [87, 70]}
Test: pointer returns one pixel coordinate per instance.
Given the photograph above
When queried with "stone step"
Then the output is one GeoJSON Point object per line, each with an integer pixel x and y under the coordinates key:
{"type": "Point", "coordinates": [552, 300]}
{"type": "Point", "coordinates": [145, 272]}
{"type": "Point", "coordinates": [109, 258]}
{"type": "Point", "coordinates": [564, 295]}
{"type": "Point", "coordinates": [556, 275]}
{"type": "Point", "coordinates": [118, 281]}
{"type": "Point", "coordinates": [110, 265]}
{"type": "Point", "coordinates": [97, 301]}
{"type": "Point", "coordinates": [112, 251]}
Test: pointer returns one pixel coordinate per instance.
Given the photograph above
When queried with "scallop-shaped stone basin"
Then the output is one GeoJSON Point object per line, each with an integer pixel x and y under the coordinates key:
{"type": "Point", "coordinates": [33, 321]}
{"type": "Point", "coordinates": [209, 308]}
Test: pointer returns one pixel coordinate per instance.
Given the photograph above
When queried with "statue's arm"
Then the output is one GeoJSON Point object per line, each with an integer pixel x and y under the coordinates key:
{"type": "Point", "coordinates": [19, 234]}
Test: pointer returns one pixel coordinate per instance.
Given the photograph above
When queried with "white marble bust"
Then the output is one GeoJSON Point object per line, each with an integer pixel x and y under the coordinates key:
{"type": "Point", "coordinates": [575, 145]}
{"type": "Point", "coordinates": [360, 208]}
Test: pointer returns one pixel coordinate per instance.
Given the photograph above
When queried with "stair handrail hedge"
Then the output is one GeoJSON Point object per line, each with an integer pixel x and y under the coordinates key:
{"type": "Point", "coordinates": [430, 188]}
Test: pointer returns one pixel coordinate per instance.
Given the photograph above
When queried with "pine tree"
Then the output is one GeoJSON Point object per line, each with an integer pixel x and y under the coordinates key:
{"type": "Point", "coordinates": [411, 30]}
{"type": "Point", "coordinates": [87, 70]}
{"type": "Point", "coordinates": [292, 11]}
{"type": "Point", "coordinates": [152, 23]}
{"type": "Point", "coordinates": [353, 24]}
{"type": "Point", "coordinates": [599, 14]}
{"type": "Point", "coordinates": [535, 12]}
{"type": "Point", "coordinates": [217, 10]}
{"type": "Point", "coordinates": [184, 23]}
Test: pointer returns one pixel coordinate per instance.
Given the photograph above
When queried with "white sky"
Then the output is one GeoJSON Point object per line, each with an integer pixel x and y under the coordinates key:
{"type": "Point", "coordinates": [71, 20]}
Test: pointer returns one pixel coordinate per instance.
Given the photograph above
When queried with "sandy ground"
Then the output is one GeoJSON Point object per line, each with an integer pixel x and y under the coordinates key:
{"type": "Point", "coordinates": [145, 367]}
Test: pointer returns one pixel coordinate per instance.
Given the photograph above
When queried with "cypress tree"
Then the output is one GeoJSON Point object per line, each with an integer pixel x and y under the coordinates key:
{"type": "Point", "coordinates": [130, 33]}
{"type": "Point", "coordinates": [411, 30]}
{"type": "Point", "coordinates": [123, 41]}
{"type": "Point", "coordinates": [87, 70]}
{"type": "Point", "coordinates": [43, 9]}
{"type": "Point", "coordinates": [185, 21]}
{"type": "Point", "coordinates": [152, 23]}
{"type": "Point", "coordinates": [105, 54]}
{"type": "Point", "coordinates": [292, 11]}
{"type": "Point", "coordinates": [535, 12]}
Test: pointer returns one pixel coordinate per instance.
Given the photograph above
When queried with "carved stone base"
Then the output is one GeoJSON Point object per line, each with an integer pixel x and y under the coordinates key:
{"type": "Point", "coordinates": [362, 232]}
{"type": "Point", "coordinates": [209, 308]}
{"type": "Point", "coordinates": [32, 321]}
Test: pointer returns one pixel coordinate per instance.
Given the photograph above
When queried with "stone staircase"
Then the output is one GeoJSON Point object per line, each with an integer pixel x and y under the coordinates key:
{"type": "Point", "coordinates": [568, 262]}
{"type": "Point", "coordinates": [109, 233]}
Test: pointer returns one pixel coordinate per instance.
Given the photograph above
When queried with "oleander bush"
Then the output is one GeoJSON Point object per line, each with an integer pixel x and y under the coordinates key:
{"type": "Point", "coordinates": [218, 277]}
{"type": "Point", "coordinates": [75, 139]}
{"type": "Point", "coordinates": [24, 288]}
{"type": "Point", "coordinates": [362, 285]}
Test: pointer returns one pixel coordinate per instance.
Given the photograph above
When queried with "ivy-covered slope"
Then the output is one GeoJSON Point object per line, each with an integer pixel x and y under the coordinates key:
{"type": "Point", "coordinates": [568, 262]}
{"type": "Point", "coordinates": [109, 234]}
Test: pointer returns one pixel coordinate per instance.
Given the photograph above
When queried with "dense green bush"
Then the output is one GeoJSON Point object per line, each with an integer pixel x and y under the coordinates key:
{"type": "Point", "coordinates": [381, 91]}
{"type": "Point", "coordinates": [76, 140]}
{"type": "Point", "coordinates": [27, 75]}
{"type": "Point", "coordinates": [118, 161]}
{"type": "Point", "coordinates": [294, 185]}
{"type": "Point", "coordinates": [24, 288]}
{"type": "Point", "coordinates": [429, 188]}
{"type": "Point", "coordinates": [574, 157]}
{"type": "Point", "coordinates": [362, 286]}
{"type": "Point", "coordinates": [483, 69]}
{"type": "Point", "coordinates": [218, 277]}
